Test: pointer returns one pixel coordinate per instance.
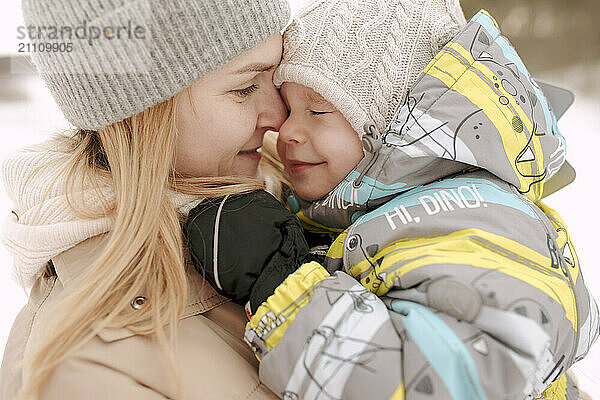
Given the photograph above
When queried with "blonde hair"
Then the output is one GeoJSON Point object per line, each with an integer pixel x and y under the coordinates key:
{"type": "Point", "coordinates": [144, 252]}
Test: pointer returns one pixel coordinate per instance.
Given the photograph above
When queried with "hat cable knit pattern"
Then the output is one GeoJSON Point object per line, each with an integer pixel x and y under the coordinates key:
{"type": "Point", "coordinates": [363, 55]}
{"type": "Point", "coordinates": [128, 55]}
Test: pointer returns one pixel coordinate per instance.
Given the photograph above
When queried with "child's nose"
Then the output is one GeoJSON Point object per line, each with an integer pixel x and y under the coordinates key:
{"type": "Point", "coordinates": [292, 131]}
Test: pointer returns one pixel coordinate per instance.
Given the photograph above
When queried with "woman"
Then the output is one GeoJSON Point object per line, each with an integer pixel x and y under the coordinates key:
{"type": "Point", "coordinates": [170, 109]}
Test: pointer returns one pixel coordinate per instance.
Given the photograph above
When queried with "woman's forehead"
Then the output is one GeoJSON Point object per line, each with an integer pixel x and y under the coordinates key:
{"type": "Point", "coordinates": [260, 58]}
{"type": "Point", "coordinates": [255, 67]}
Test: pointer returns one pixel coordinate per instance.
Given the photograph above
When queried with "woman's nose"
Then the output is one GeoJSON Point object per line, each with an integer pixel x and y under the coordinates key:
{"type": "Point", "coordinates": [273, 112]}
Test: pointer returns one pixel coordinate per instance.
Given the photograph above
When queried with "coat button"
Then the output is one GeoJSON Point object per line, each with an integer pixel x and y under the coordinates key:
{"type": "Point", "coordinates": [138, 303]}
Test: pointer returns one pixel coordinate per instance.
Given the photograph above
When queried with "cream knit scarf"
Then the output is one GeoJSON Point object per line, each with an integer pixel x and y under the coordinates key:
{"type": "Point", "coordinates": [39, 228]}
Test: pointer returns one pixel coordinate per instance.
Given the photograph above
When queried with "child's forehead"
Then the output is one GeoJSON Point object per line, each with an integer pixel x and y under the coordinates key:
{"type": "Point", "coordinates": [304, 94]}
{"type": "Point", "coordinates": [313, 97]}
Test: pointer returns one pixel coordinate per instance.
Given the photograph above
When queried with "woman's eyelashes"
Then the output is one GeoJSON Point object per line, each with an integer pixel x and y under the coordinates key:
{"type": "Point", "coordinates": [320, 112]}
{"type": "Point", "coordinates": [245, 92]}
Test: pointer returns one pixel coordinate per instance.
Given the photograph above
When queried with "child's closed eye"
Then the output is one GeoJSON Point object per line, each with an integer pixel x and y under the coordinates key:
{"type": "Point", "coordinates": [320, 112]}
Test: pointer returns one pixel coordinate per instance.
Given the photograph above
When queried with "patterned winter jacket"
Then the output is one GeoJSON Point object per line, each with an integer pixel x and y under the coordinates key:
{"type": "Point", "coordinates": [453, 281]}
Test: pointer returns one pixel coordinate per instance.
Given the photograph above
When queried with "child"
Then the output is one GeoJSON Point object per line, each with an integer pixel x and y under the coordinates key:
{"type": "Point", "coordinates": [439, 218]}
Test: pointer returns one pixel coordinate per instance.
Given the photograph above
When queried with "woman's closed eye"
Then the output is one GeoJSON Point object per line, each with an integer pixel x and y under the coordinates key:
{"type": "Point", "coordinates": [245, 92]}
{"type": "Point", "coordinates": [320, 112]}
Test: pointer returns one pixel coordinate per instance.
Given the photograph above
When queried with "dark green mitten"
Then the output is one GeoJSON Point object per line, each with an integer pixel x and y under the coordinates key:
{"type": "Point", "coordinates": [258, 243]}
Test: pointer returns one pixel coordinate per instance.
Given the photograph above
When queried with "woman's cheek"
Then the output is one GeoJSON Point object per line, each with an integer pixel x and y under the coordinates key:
{"type": "Point", "coordinates": [225, 166]}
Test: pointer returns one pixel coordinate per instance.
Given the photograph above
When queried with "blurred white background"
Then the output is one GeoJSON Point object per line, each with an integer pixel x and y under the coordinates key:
{"type": "Point", "coordinates": [28, 113]}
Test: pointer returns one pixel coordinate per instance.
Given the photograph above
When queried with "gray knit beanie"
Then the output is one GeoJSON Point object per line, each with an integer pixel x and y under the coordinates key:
{"type": "Point", "coordinates": [363, 55]}
{"type": "Point", "coordinates": [111, 59]}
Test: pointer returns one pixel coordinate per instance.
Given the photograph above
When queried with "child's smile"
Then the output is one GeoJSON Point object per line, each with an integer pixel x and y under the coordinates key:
{"type": "Point", "coordinates": [295, 167]}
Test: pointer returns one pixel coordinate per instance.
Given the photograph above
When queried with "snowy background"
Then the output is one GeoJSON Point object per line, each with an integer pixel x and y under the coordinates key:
{"type": "Point", "coordinates": [28, 113]}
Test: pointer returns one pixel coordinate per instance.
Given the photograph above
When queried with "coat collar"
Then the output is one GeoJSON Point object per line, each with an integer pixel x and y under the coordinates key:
{"type": "Point", "coordinates": [70, 263]}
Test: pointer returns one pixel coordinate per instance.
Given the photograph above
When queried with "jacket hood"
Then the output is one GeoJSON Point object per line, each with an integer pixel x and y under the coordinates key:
{"type": "Point", "coordinates": [475, 105]}
{"type": "Point", "coordinates": [41, 223]}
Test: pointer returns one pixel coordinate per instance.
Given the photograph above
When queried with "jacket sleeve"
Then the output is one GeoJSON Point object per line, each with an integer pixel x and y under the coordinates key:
{"type": "Point", "coordinates": [322, 336]}
{"type": "Point", "coordinates": [466, 313]}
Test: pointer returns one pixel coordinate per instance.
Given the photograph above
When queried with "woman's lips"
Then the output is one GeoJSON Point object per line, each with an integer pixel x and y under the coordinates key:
{"type": "Point", "coordinates": [297, 167]}
{"type": "Point", "coordinates": [252, 154]}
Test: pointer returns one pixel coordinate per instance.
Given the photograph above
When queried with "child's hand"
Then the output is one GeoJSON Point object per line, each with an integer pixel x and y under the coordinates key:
{"type": "Point", "coordinates": [258, 244]}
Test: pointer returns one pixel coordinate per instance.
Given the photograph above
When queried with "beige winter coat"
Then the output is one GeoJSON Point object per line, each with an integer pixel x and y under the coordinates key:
{"type": "Point", "coordinates": [214, 361]}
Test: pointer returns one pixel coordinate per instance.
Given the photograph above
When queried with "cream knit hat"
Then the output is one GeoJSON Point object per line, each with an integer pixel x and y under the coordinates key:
{"type": "Point", "coordinates": [363, 55]}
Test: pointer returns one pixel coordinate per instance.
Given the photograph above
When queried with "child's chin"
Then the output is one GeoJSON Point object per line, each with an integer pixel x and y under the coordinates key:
{"type": "Point", "coordinates": [310, 194]}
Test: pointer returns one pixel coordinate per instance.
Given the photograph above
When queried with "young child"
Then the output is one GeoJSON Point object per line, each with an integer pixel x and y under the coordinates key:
{"type": "Point", "coordinates": [480, 290]}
